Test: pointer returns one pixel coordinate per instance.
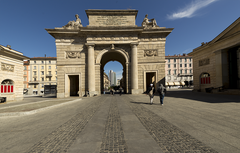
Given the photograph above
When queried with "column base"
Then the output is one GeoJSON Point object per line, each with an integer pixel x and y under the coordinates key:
{"type": "Point", "coordinates": [93, 93]}
{"type": "Point", "coordinates": [136, 91]}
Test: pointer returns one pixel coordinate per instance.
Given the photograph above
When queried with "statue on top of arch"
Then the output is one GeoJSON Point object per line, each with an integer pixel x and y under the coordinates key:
{"type": "Point", "coordinates": [149, 23]}
{"type": "Point", "coordinates": [74, 24]}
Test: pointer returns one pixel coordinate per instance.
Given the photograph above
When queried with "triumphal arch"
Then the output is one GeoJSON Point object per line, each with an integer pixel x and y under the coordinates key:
{"type": "Point", "coordinates": [111, 35]}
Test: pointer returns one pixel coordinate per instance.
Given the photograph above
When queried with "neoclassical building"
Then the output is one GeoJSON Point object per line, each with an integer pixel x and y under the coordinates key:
{"type": "Point", "coordinates": [111, 35]}
{"type": "Point", "coordinates": [216, 64]}
{"type": "Point", "coordinates": [11, 73]}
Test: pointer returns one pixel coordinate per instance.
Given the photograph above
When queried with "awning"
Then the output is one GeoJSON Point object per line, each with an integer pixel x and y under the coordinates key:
{"type": "Point", "coordinates": [182, 83]}
{"type": "Point", "coordinates": [177, 83]}
{"type": "Point", "coordinates": [170, 83]}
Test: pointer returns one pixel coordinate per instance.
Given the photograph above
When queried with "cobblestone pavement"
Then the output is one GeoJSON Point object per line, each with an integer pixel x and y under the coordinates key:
{"type": "Point", "coordinates": [62, 138]}
{"type": "Point", "coordinates": [121, 123]}
{"type": "Point", "coordinates": [113, 139]}
{"type": "Point", "coordinates": [170, 138]}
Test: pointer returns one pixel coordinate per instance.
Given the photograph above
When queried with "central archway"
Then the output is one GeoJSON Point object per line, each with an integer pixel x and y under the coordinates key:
{"type": "Point", "coordinates": [119, 55]}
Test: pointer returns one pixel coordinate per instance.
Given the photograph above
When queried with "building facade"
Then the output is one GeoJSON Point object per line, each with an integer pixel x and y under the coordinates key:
{"type": "Point", "coordinates": [112, 78]}
{"type": "Point", "coordinates": [106, 81]}
{"type": "Point", "coordinates": [111, 35]}
{"type": "Point", "coordinates": [11, 73]}
{"type": "Point", "coordinates": [178, 69]}
{"type": "Point", "coordinates": [26, 76]}
{"type": "Point", "coordinates": [217, 63]}
{"type": "Point", "coordinates": [43, 71]}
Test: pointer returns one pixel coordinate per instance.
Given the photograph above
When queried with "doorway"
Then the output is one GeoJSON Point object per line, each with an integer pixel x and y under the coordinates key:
{"type": "Point", "coordinates": [150, 79]}
{"type": "Point", "coordinates": [74, 85]}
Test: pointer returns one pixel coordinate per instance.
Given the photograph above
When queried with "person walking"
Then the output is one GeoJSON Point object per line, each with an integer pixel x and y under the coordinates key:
{"type": "Point", "coordinates": [162, 92]}
{"type": "Point", "coordinates": [120, 90]}
{"type": "Point", "coordinates": [151, 92]}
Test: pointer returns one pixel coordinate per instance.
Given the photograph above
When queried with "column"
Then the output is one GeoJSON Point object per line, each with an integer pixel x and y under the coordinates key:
{"type": "Point", "coordinates": [134, 68]}
{"type": "Point", "coordinates": [91, 68]}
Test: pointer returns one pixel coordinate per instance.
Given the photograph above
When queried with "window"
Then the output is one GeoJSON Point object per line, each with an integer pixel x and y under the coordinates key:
{"type": "Point", "coordinates": [42, 72]}
{"type": "Point", "coordinates": [180, 60]}
{"type": "Point", "coordinates": [174, 65]}
{"type": "Point", "coordinates": [49, 67]}
{"type": "Point", "coordinates": [49, 62]}
{"type": "Point", "coordinates": [34, 72]}
{"type": "Point", "coordinates": [42, 67]}
{"type": "Point", "coordinates": [180, 65]}
{"type": "Point", "coordinates": [185, 71]}
{"type": "Point", "coordinates": [34, 67]}
{"type": "Point", "coordinates": [56, 67]}
{"type": "Point", "coordinates": [56, 78]}
{"type": "Point", "coordinates": [42, 78]}
{"type": "Point", "coordinates": [42, 62]}
{"type": "Point", "coordinates": [180, 71]}
{"type": "Point", "coordinates": [35, 86]}
{"type": "Point", "coordinates": [25, 73]}
{"type": "Point", "coordinates": [190, 71]}
{"type": "Point", "coordinates": [175, 71]}
{"type": "Point", "coordinates": [49, 72]}
{"type": "Point", "coordinates": [25, 78]}
{"type": "Point", "coordinates": [56, 72]}
{"type": "Point", "coordinates": [169, 72]}
{"type": "Point", "coordinates": [7, 86]}
{"type": "Point", "coordinates": [175, 60]}
{"type": "Point", "coordinates": [49, 79]}
{"type": "Point", "coordinates": [34, 79]}
{"type": "Point", "coordinates": [205, 78]}
{"type": "Point", "coordinates": [35, 62]}
{"type": "Point", "coordinates": [190, 60]}
{"type": "Point", "coordinates": [25, 68]}
{"type": "Point", "coordinates": [42, 85]}
{"type": "Point", "coordinates": [190, 65]}
{"type": "Point", "coordinates": [185, 65]}
{"type": "Point", "coordinates": [185, 60]}
{"type": "Point", "coordinates": [168, 60]}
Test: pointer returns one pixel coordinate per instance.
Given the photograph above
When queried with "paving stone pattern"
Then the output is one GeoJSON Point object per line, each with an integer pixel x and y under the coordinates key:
{"type": "Point", "coordinates": [113, 138]}
{"type": "Point", "coordinates": [170, 138]}
{"type": "Point", "coordinates": [62, 138]}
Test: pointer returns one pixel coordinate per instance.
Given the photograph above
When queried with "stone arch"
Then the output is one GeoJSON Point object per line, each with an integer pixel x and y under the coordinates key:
{"type": "Point", "coordinates": [113, 54]}
{"type": "Point", "coordinates": [118, 50]}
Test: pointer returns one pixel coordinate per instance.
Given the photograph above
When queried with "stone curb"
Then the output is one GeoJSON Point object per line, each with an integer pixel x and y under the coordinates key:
{"type": "Point", "coordinates": [36, 110]}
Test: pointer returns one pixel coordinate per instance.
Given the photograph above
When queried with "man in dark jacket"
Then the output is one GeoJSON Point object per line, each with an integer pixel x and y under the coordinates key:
{"type": "Point", "coordinates": [162, 91]}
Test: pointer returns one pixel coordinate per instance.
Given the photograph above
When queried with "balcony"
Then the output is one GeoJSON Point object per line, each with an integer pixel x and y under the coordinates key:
{"type": "Point", "coordinates": [48, 75]}
{"type": "Point", "coordinates": [33, 82]}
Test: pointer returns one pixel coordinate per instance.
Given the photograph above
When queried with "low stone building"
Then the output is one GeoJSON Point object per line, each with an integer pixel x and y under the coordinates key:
{"type": "Point", "coordinates": [111, 35]}
{"type": "Point", "coordinates": [11, 73]}
{"type": "Point", "coordinates": [216, 64]}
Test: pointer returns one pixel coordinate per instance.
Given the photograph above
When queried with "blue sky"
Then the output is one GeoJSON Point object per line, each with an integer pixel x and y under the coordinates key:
{"type": "Point", "coordinates": [23, 22]}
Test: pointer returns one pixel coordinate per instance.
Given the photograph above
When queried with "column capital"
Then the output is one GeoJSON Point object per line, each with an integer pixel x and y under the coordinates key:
{"type": "Point", "coordinates": [134, 44]}
{"type": "Point", "coordinates": [90, 44]}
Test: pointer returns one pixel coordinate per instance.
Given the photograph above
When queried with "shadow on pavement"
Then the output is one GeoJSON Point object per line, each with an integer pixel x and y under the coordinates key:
{"type": "Point", "coordinates": [204, 97]}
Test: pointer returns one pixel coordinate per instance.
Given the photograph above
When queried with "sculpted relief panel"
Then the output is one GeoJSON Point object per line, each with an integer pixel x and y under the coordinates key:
{"type": "Point", "coordinates": [150, 53]}
{"type": "Point", "coordinates": [73, 54]}
{"type": "Point", "coordinates": [7, 67]}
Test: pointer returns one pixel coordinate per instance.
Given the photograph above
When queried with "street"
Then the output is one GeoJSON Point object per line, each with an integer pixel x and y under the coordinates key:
{"type": "Point", "coordinates": [188, 122]}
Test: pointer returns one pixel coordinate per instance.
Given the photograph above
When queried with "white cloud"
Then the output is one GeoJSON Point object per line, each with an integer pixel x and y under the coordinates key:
{"type": "Point", "coordinates": [189, 10]}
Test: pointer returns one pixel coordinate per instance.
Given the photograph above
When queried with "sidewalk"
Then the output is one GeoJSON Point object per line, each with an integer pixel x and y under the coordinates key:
{"type": "Point", "coordinates": [33, 104]}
